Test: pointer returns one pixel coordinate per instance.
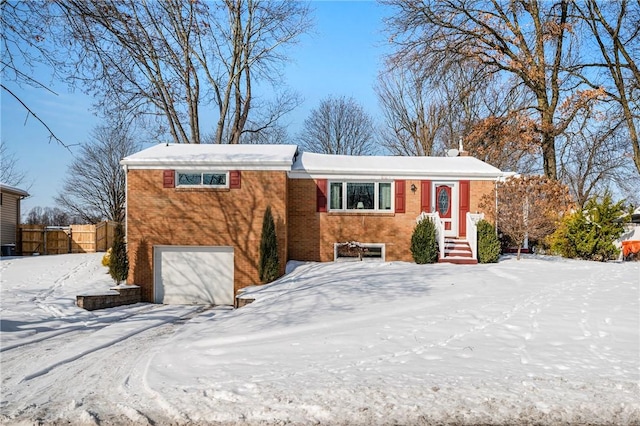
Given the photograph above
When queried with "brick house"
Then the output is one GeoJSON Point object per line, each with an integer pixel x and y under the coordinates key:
{"type": "Point", "coordinates": [194, 212]}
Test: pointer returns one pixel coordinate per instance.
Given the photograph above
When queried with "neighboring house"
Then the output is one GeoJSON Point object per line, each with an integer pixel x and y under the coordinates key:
{"type": "Point", "coordinates": [629, 241]}
{"type": "Point", "coordinates": [10, 216]}
{"type": "Point", "coordinates": [194, 212]}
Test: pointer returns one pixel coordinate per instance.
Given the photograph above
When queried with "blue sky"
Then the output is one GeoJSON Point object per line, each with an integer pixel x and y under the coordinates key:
{"type": "Point", "coordinates": [340, 57]}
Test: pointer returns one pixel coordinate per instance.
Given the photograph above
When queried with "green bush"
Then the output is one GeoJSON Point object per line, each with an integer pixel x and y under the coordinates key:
{"type": "Point", "coordinates": [590, 233]}
{"type": "Point", "coordinates": [106, 259]}
{"type": "Point", "coordinates": [269, 266]}
{"type": "Point", "coordinates": [118, 262]}
{"type": "Point", "coordinates": [424, 244]}
{"type": "Point", "coordinates": [488, 243]}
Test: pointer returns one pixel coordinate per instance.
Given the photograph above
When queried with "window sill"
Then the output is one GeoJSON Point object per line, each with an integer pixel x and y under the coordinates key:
{"type": "Point", "coordinates": [363, 213]}
{"type": "Point", "coordinates": [178, 189]}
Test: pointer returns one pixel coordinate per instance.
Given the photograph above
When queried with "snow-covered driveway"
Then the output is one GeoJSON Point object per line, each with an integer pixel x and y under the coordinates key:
{"type": "Point", "coordinates": [541, 340]}
{"type": "Point", "coordinates": [61, 362]}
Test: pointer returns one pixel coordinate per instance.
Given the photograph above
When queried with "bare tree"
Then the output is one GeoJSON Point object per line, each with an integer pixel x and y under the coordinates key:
{"type": "Point", "coordinates": [614, 26]}
{"type": "Point", "coordinates": [94, 188]}
{"type": "Point", "coordinates": [508, 142]}
{"type": "Point", "coordinates": [338, 126]}
{"type": "Point", "coordinates": [528, 207]}
{"type": "Point", "coordinates": [592, 158]}
{"type": "Point", "coordinates": [169, 60]}
{"type": "Point", "coordinates": [48, 216]}
{"type": "Point", "coordinates": [427, 112]}
{"type": "Point", "coordinates": [413, 117]}
{"type": "Point", "coordinates": [529, 43]}
{"type": "Point", "coordinates": [24, 35]}
{"type": "Point", "coordinates": [10, 174]}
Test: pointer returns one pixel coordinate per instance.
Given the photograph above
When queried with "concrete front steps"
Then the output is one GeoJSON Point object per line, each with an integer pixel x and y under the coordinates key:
{"type": "Point", "coordinates": [457, 251]}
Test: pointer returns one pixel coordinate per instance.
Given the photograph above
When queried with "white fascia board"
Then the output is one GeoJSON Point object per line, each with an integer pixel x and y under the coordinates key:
{"type": "Point", "coordinates": [300, 174]}
{"type": "Point", "coordinates": [190, 165]}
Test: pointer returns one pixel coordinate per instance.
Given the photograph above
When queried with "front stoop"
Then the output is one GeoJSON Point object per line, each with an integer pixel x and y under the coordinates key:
{"type": "Point", "coordinates": [457, 251]}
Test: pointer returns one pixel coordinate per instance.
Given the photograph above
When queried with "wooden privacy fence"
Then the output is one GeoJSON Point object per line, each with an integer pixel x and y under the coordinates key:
{"type": "Point", "coordinates": [43, 239]}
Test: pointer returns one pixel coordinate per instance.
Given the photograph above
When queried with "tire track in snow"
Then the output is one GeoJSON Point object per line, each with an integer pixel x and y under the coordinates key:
{"type": "Point", "coordinates": [96, 324]}
{"type": "Point", "coordinates": [119, 365]}
{"type": "Point", "coordinates": [115, 333]}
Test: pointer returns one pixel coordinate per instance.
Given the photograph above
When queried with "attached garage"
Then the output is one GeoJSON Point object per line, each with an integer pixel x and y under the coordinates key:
{"type": "Point", "coordinates": [193, 275]}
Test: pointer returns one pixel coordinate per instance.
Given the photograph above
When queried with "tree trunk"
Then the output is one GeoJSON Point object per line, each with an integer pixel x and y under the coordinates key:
{"type": "Point", "coordinates": [549, 156]}
{"type": "Point", "coordinates": [633, 134]}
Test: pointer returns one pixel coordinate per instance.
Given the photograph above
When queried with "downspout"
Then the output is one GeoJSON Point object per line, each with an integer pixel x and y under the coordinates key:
{"type": "Point", "coordinates": [496, 216]}
{"type": "Point", "coordinates": [126, 203]}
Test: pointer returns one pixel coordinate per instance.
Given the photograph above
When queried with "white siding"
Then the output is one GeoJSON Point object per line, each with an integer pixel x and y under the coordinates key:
{"type": "Point", "coordinates": [9, 218]}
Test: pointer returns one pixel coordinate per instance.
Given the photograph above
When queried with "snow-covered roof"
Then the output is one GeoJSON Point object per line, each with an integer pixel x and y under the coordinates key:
{"type": "Point", "coordinates": [213, 156]}
{"type": "Point", "coordinates": [307, 164]}
{"type": "Point", "coordinates": [323, 165]}
{"type": "Point", "coordinates": [13, 190]}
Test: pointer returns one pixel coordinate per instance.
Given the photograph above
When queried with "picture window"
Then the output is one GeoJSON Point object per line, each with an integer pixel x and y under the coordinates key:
{"type": "Point", "coordinates": [360, 196]}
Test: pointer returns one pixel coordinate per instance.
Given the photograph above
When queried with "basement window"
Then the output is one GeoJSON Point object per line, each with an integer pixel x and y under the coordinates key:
{"type": "Point", "coordinates": [354, 251]}
{"type": "Point", "coordinates": [203, 179]}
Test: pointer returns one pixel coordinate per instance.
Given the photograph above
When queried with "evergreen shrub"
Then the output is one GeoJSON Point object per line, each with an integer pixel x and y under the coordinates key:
{"type": "Point", "coordinates": [424, 243]}
{"type": "Point", "coordinates": [590, 233]}
{"type": "Point", "coordinates": [488, 243]}
{"type": "Point", "coordinates": [269, 266]}
{"type": "Point", "coordinates": [118, 262]}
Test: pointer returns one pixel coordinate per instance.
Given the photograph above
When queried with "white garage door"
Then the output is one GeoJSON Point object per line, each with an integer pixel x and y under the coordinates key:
{"type": "Point", "coordinates": [193, 275]}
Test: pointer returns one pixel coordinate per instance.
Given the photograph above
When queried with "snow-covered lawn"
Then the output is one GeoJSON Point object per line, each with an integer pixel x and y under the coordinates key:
{"type": "Point", "coordinates": [541, 340]}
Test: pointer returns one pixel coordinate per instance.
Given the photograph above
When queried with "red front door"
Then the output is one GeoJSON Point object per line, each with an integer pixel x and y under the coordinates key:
{"type": "Point", "coordinates": [443, 204]}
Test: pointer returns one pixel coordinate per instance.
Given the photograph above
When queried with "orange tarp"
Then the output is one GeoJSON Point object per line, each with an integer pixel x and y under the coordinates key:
{"type": "Point", "coordinates": [629, 247]}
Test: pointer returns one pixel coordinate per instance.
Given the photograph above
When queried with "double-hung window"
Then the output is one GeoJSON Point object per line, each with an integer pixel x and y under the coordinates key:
{"type": "Point", "coordinates": [203, 179]}
{"type": "Point", "coordinates": [358, 196]}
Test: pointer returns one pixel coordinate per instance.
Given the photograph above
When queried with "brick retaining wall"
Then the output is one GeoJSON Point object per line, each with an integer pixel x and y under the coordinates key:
{"type": "Point", "coordinates": [117, 296]}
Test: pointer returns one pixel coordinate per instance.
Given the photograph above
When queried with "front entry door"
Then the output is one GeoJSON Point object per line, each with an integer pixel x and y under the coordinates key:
{"type": "Point", "coordinates": [444, 206]}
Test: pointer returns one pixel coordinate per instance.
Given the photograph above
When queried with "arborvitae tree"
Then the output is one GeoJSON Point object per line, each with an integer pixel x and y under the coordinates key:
{"type": "Point", "coordinates": [424, 244]}
{"type": "Point", "coordinates": [589, 234]}
{"type": "Point", "coordinates": [118, 262]}
{"type": "Point", "coordinates": [488, 243]}
{"type": "Point", "coordinates": [269, 267]}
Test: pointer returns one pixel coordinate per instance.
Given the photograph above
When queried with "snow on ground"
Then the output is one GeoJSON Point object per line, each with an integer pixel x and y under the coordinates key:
{"type": "Point", "coordinates": [542, 340]}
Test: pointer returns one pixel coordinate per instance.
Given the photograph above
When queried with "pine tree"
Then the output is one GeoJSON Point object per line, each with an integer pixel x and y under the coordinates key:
{"type": "Point", "coordinates": [424, 244]}
{"type": "Point", "coordinates": [269, 266]}
{"type": "Point", "coordinates": [118, 262]}
{"type": "Point", "coordinates": [589, 234]}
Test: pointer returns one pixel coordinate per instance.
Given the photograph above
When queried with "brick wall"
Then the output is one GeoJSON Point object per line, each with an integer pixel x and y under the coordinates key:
{"type": "Point", "coordinates": [212, 217]}
{"type": "Point", "coordinates": [312, 235]}
{"type": "Point", "coordinates": [478, 190]}
{"type": "Point", "coordinates": [233, 217]}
